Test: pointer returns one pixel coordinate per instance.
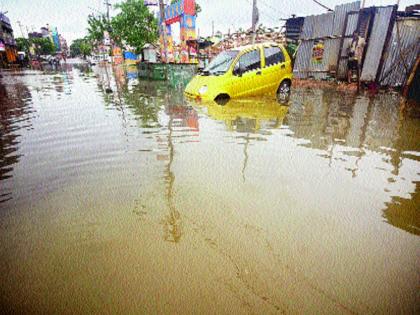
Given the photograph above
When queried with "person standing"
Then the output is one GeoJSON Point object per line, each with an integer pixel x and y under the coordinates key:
{"type": "Point", "coordinates": [355, 56]}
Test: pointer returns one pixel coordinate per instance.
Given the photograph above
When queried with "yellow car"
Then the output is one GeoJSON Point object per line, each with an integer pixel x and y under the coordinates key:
{"type": "Point", "coordinates": [261, 69]}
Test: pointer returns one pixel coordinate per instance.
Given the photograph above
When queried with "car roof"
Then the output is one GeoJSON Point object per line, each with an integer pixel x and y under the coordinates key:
{"type": "Point", "coordinates": [246, 47]}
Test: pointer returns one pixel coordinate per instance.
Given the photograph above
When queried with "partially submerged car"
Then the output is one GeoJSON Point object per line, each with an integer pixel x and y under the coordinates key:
{"type": "Point", "coordinates": [261, 69]}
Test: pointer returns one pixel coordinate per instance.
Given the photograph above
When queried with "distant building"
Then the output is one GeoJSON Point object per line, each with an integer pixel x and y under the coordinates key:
{"type": "Point", "coordinates": [45, 32]}
{"type": "Point", "coordinates": [63, 44]}
{"type": "Point", "coordinates": [35, 35]}
{"type": "Point", "coordinates": [8, 50]}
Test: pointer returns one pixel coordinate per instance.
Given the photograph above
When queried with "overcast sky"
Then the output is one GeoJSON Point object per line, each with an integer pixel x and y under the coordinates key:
{"type": "Point", "coordinates": [70, 15]}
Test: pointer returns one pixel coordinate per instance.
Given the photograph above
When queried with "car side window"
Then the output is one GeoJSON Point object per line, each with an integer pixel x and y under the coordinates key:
{"type": "Point", "coordinates": [250, 61]}
{"type": "Point", "coordinates": [273, 56]}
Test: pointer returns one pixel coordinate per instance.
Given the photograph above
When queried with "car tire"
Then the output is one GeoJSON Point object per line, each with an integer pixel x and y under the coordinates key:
{"type": "Point", "coordinates": [283, 92]}
{"type": "Point", "coordinates": [222, 99]}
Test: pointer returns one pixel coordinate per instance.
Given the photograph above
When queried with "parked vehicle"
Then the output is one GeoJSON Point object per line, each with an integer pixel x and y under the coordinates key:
{"type": "Point", "coordinates": [261, 69]}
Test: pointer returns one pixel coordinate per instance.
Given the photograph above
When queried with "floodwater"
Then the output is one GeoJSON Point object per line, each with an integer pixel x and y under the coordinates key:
{"type": "Point", "coordinates": [138, 201]}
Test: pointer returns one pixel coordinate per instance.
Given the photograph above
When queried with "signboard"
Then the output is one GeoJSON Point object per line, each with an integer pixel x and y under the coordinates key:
{"type": "Point", "coordinates": [2, 47]}
{"type": "Point", "coordinates": [117, 53]}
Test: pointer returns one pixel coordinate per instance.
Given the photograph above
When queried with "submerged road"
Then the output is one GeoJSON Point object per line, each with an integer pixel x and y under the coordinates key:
{"type": "Point", "coordinates": [138, 201]}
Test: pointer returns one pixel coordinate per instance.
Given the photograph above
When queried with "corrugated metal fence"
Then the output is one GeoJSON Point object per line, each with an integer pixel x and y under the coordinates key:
{"type": "Point", "coordinates": [329, 28]}
{"type": "Point", "coordinates": [376, 43]}
{"type": "Point", "coordinates": [402, 51]}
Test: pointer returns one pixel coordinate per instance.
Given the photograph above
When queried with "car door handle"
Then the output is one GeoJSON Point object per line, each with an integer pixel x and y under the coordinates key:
{"type": "Point", "coordinates": [258, 72]}
{"type": "Point", "coordinates": [283, 67]}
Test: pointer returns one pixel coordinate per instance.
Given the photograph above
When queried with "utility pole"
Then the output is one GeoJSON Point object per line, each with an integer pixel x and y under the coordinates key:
{"type": "Point", "coordinates": [107, 9]}
{"type": "Point", "coordinates": [212, 28]}
{"type": "Point", "coordinates": [255, 18]}
{"type": "Point", "coordinates": [363, 4]}
{"type": "Point", "coordinates": [163, 26]}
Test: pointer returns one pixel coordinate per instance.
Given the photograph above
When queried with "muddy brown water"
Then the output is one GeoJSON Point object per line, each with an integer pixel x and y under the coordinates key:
{"type": "Point", "coordinates": [138, 201]}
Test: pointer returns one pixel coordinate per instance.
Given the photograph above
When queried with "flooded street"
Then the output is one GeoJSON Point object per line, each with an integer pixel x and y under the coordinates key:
{"type": "Point", "coordinates": [139, 201]}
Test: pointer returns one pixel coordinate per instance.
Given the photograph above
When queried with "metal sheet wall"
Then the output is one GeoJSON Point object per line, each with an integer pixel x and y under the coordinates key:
{"type": "Point", "coordinates": [303, 59]}
{"type": "Point", "coordinates": [340, 13]}
{"type": "Point", "coordinates": [329, 27]}
{"type": "Point", "coordinates": [402, 51]}
{"type": "Point", "coordinates": [376, 43]}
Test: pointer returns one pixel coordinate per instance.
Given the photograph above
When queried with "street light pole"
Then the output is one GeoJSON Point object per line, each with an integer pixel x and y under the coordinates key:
{"type": "Point", "coordinates": [163, 26]}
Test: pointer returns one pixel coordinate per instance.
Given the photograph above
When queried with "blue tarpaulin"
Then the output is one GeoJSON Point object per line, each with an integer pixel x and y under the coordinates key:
{"type": "Point", "coordinates": [130, 55]}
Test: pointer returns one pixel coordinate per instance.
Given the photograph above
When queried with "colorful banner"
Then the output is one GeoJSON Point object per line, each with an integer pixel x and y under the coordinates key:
{"type": "Point", "coordinates": [183, 12]}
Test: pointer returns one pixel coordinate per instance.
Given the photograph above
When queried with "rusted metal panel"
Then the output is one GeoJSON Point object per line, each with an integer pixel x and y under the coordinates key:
{"type": "Point", "coordinates": [383, 18]}
{"type": "Point", "coordinates": [402, 51]}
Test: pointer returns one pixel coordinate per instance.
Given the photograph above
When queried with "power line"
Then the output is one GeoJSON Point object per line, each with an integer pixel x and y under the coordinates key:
{"type": "Point", "coordinates": [324, 6]}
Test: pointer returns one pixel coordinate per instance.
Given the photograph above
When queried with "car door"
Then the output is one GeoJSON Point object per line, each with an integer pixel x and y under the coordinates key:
{"type": "Point", "coordinates": [274, 70]}
{"type": "Point", "coordinates": [249, 82]}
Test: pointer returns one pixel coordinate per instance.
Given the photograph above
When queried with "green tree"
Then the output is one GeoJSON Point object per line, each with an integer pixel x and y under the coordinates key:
{"type": "Point", "coordinates": [43, 46]}
{"type": "Point", "coordinates": [23, 44]}
{"type": "Point", "coordinates": [86, 48]}
{"type": "Point", "coordinates": [134, 25]}
{"type": "Point", "coordinates": [197, 6]}
{"type": "Point", "coordinates": [97, 26]}
{"type": "Point", "coordinates": [81, 47]}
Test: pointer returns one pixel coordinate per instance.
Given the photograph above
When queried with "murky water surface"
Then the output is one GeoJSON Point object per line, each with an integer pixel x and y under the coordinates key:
{"type": "Point", "coordinates": [137, 201]}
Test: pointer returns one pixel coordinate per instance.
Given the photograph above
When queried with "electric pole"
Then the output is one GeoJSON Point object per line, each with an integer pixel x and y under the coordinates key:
{"type": "Point", "coordinates": [255, 17]}
{"type": "Point", "coordinates": [163, 26]}
{"type": "Point", "coordinates": [212, 28]}
{"type": "Point", "coordinates": [107, 9]}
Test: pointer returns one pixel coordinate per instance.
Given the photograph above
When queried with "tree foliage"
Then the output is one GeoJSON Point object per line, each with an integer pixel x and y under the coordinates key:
{"type": "Point", "coordinates": [42, 46]}
{"type": "Point", "coordinates": [134, 25]}
{"type": "Point", "coordinates": [81, 47]}
{"type": "Point", "coordinates": [23, 44]}
{"type": "Point", "coordinates": [97, 26]}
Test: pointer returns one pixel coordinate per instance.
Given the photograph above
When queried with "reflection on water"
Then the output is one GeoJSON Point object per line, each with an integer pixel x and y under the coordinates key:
{"type": "Point", "coordinates": [404, 212]}
{"type": "Point", "coordinates": [15, 118]}
{"type": "Point", "coordinates": [251, 205]}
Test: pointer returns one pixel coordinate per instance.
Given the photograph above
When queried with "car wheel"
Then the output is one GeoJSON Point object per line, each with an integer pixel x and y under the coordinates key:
{"type": "Point", "coordinates": [222, 99]}
{"type": "Point", "coordinates": [283, 92]}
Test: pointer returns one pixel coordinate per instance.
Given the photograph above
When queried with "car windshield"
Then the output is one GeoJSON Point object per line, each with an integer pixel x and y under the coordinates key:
{"type": "Point", "coordinates": [221, 63]}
